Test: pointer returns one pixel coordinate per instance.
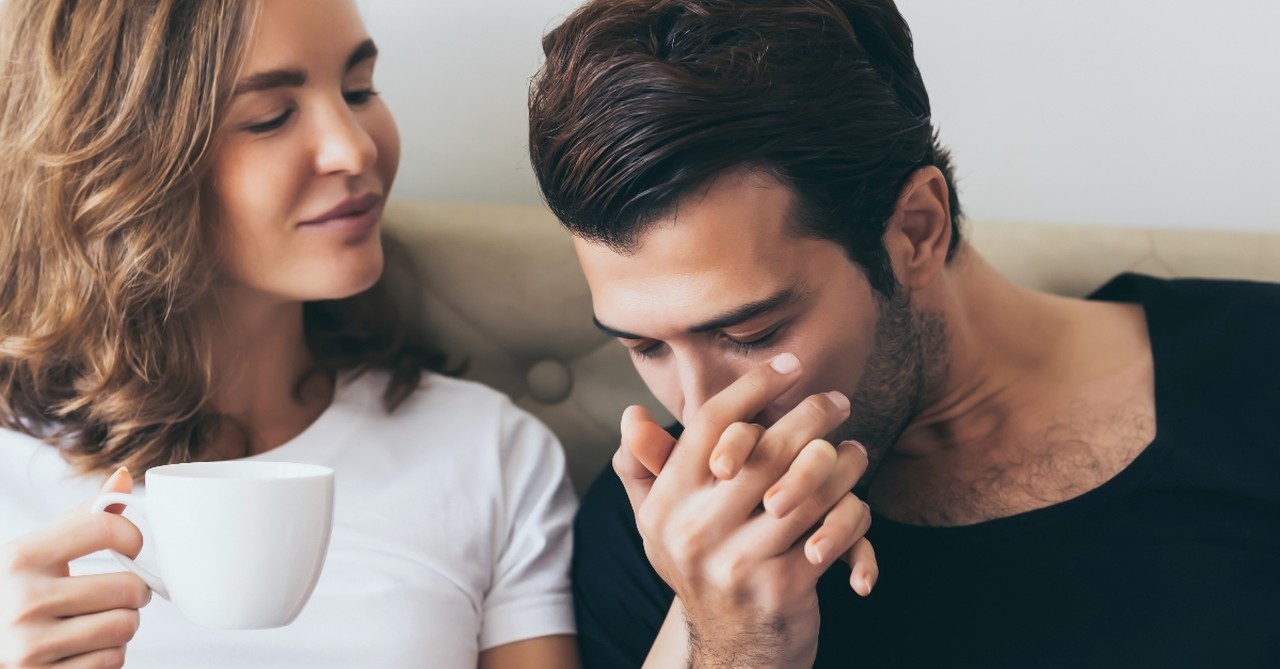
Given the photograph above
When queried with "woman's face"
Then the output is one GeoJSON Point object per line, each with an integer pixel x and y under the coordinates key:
{"type": "Point", "coordinates": [306, 157]}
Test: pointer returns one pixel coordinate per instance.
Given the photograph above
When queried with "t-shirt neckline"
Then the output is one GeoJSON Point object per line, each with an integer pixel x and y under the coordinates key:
{"type": "Point", "coordinates": [321, 441]}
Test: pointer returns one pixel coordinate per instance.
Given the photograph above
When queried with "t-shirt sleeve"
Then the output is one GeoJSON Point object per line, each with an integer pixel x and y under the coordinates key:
{"type": "Point", "coordinates": [619, 599]}
{"type": "Point", "coordinates": [529, 595]}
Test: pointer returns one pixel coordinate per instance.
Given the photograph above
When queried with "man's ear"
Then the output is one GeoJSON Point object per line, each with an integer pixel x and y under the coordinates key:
{"type": "Point", "coordinates": [919, 233]}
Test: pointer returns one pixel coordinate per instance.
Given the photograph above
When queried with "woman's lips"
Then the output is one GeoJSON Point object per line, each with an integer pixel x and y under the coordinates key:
{"type": "Point", "coordinates": [353, 216]}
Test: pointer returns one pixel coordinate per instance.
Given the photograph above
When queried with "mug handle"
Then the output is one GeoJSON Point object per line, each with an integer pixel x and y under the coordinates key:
{"type": "Point", "coordinates": [100, 504]}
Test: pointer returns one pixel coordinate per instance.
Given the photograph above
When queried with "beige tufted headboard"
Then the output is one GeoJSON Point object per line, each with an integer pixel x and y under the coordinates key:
{"type": "Point", "coordinates": [502, 288]}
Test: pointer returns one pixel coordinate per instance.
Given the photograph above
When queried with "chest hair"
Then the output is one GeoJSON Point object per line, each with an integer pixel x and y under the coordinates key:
{"type": "Point", "coordinates": [1078, 449]}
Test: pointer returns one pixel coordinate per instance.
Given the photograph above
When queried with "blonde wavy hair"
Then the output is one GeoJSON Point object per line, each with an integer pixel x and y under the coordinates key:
{"type": "Point", "coordinates": [110, 109]}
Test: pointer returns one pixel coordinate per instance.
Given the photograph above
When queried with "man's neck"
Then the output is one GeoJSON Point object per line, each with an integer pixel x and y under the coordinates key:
{"type": "Point", "coordinates": [1004, 344]}
{"type": "Point", "coordinates": [1044, 398]}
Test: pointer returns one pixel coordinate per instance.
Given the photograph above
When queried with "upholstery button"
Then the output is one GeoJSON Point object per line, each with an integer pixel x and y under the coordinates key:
{"type": "Point", "coordinates": [549, 381]}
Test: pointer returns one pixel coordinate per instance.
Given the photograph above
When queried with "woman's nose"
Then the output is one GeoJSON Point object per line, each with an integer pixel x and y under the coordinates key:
{"type": "Point", "coordinates": [343, 144]}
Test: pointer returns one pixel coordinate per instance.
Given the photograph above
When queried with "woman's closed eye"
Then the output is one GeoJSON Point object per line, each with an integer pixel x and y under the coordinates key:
{"type": "Point", "coordinates": [359, 97]}
{"type": "Point", "coordinates": [272, 124]}
{"type": "Point", "coordinates": [355, 98]}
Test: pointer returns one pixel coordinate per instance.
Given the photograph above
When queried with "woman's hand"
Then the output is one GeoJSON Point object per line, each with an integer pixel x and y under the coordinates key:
{"type": "Point", "coordinates": [51, 619]}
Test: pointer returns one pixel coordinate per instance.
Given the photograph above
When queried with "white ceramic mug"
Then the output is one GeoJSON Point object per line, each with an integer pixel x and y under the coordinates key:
{"type": "Point", "coordinates": [240, 545]}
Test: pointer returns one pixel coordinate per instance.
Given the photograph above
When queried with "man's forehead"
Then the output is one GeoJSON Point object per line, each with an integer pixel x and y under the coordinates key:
{"type": "Point", "coordinates": [730, 246]}
{"type": "Point", "coordinates": [711, 240]}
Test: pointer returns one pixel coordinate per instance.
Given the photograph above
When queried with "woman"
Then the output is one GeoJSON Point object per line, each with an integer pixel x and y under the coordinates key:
{"type": "Point", "coordinates": [190, 194]}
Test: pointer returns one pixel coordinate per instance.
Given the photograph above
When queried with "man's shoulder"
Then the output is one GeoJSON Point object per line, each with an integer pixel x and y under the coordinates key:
{"type": "Point", "coordinates": [1203, 293]}
{"type": "Point", "coordinates": [1214, 314]}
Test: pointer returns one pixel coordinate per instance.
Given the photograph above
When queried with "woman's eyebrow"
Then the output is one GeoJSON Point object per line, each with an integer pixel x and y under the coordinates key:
{"type": "Point", "coordinates": [270, 79]}
{"type": "Point", "coordinates": [292, 78]}
{"type": "Point", "coordinates": [363, 51]}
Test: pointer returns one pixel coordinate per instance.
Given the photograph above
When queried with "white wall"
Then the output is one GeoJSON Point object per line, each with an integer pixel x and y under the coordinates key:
{"type": "Point", "coordinates": [1158, 113]}
{"type": "Point", "coordinates": [456, 74]}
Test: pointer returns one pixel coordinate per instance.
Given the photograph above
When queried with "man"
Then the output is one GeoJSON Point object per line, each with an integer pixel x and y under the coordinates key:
{"type": "Point", "coordinates": [768, 222]}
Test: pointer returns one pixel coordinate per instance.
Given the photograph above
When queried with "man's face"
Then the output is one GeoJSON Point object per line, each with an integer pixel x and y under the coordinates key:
{"type": "Point", "coordinates": [726, 284]}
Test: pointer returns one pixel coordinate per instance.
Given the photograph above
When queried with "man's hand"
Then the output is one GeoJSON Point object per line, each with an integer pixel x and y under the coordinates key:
{"type": "Point", "coordinates": [744, 576]}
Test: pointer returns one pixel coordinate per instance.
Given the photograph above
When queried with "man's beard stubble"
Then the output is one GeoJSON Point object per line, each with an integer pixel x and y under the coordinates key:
{"type": "Point", "coordinates": [905, 369]}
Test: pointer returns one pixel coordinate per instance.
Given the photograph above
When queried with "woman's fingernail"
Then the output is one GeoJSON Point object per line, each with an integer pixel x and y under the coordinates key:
{"type": "Point", "coordinates": [115, 476]}
{"type": "Point", "coordinates": [838, 399]}
{"type": "Point", "coordinates": [817, 551]}
{"type": "Point", "coordinates": [859, 445]}
{"type": "Point", "coordinates": [785, 363]}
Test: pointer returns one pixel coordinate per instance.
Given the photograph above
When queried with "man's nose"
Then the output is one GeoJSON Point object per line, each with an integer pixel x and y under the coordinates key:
{"type": "Point", "coordinates": [702, 379]}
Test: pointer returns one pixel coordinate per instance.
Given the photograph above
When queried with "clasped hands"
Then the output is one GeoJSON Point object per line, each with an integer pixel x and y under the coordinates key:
{"type": "Point", "coordinates": [741, 520]}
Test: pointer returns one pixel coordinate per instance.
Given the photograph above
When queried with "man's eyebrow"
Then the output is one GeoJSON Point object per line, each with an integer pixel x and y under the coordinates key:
{"type": "Point", "coordinates": [263, 81]}
{"type": "Point", "coordinates": [747, 311]}
{"type": "Point", "coordinates": [617, 334]}
{"type": "Point", "coordinates": [733, 317]}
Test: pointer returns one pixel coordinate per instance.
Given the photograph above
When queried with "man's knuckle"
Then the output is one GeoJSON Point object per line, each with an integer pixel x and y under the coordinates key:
{"type": "Point", "coordinates": [806, 480]}
{"type": "Point", "coordinates": [712, 418]}
{"type": "Point", "coordinates": [683, 557]}
{"type": "Point", "coordinates": [741, 433]}
{"type": "Point", "coordinates": [840, 522]}
{"type": "Point", "coordinates": [818, 406]}
{"type": "Point", "coordinates": [647, 521]}
{"type": "Point", "coordinates": [728, 574]}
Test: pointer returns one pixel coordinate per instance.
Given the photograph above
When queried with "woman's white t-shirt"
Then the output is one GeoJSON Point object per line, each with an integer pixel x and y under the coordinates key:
{"type": "Point", "coordinates": [451, 535]}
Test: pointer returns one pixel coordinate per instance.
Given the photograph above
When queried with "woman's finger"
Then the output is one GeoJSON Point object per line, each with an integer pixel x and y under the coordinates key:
{"type": "Point", "coordinates": [98, 659]}
{"type": "Point", "coordinates": [70, 637]}
{"type": "Point", "coordinates": [81, 595]}
{"type": "Point", "coordinates": [49, 549]}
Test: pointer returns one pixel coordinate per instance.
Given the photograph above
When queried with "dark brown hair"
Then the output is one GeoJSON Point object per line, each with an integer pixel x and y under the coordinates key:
{"type": "Point", "coordinates": [642, 102]}
{"type": "Point", "coordinates": [108, 113]}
